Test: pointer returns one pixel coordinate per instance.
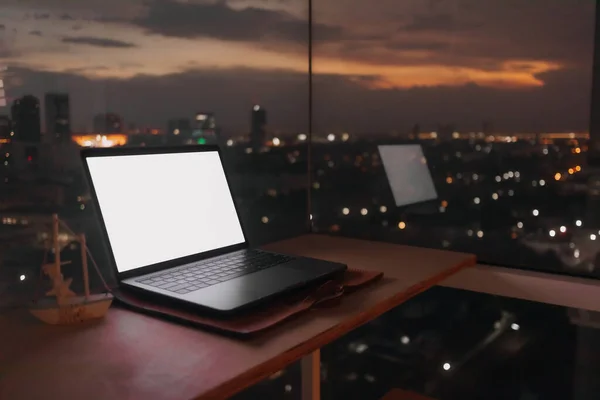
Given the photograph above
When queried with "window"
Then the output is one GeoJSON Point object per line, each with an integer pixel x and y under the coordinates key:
{"type": "Point", "coordinates": [497, 94]}
{"type": "Point", "coordinates": [144, 73]}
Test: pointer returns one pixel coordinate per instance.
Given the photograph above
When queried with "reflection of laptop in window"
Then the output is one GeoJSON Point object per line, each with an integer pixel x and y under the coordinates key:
{"type": "Point", "coordinates": [173, 230]}
{"type": "Point", "coordinates": [409, 177]}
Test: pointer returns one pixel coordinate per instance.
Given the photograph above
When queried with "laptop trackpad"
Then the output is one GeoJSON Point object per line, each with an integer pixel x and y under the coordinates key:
{"type": "Point", "coordinates": [229, 295]}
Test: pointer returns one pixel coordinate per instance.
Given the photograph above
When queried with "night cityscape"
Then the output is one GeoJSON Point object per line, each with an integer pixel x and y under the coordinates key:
{"type": "Point", "coordinates": [506, 138]}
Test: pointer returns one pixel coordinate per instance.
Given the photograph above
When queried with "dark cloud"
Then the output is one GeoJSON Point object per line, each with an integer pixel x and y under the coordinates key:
{"type": "Point", "coordinates": [471, 34]}
{"type": "Point", "coordinates": [36, 33]}
{"type": "Point", "coordinates": [77, 27]}
{"type": "Point", "coordinates": [5, 52]}
{"type": "Point", "coordinates": [98, 42]}
{"type": "Point", "coordinates": [416, 45]}
{"type": "Point", "coordinates": [383, 51]}
{"type": "Point", "coordinates": [562, 105]}
{"type": "Point", "coordinates": [67, 17]}
{"type": "Point", "coordinates": [463, 33]}
{"type": "Point", "coordinates": [437, 22]}
{"type": "Point", "coordinates": [85, 70]}
{"type": "Point", "coordinates": [40, 16]}
{"type": "Point", "coordinates": [217, 20]}
{"type": "Point", "coordinates": [340, 103]}
{"type": "Point", "coordinates": [2, 27]}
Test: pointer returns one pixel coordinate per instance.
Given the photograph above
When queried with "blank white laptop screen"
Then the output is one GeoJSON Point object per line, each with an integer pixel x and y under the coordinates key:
{"type": "Point", "coordinates": [159, 207]}
{"type": "Point", "coordinates": [408, 174]}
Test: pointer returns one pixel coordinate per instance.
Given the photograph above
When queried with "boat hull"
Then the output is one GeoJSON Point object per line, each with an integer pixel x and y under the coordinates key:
{"type": "Point", "coordinates": [75, 310]}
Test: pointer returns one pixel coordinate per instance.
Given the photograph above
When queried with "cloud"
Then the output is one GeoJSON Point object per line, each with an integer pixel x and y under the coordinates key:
{"type": "Point", "coordinates": [341, 103]}
{"type": "Point", "coordinates": [98, 42]}
{"type": "Point", "coordinates": [67, 17]}
{"type": "Point", "coordinates": [2, 27]}
{"type": "Point", "coordinates": [416, 45]}
{"type": "Point", "coordinates": [7, 53]}
{"type": "Point", "coordinates": [217, 20]}
{"type": "Point", "coordinates": [465, 33]}
{"type": "Point", "coordinates": [41, 16]}
{"type": "Point", "coordinates": [36, 33]}
{"type": "Point", "coordinates": [562, 104]}
{"type": "Point", "coordinates": [84, 70]}
{"type": "Point", "coordinates": [437, 22]}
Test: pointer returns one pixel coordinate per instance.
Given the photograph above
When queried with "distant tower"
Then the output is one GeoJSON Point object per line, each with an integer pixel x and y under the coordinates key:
{"type": "Point", "coordinates": [26, 119]}
{"type": "Point", "coordinates": [205, 121]}
{"type": "Point", "coordinates": [445, 131]}
{"type": "Point", "coordinates": [593, 155]}
{"type": "Point", "coordinates": [178, 130]}
{"type": "Point", "coordinates": [58, 120]}
{"type": "Point", "coordinates": [205, 128]}
{"type": "Point", "coordinates": [108, 123]}
{"type": "Point", "coordinates": [5, 128]}
{"type": "Point", "coordinates": [487, 128]}
{"type": "Point", "coordinates": [3, 101]}
{"type": "Point", "coordinates": [258, 125]}
{"type": "Point", "coordinates": [416, 129]}
{"type": "Point", "coordinates": [594, 146]}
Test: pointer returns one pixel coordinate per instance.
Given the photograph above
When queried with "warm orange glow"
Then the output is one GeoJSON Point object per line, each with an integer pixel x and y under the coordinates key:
{"type": "Point", "coordinates": [97, 140]}
{"type": "Point", "coordinates": [513, 235]}
{"type": "Point", "coordinates": [557, 176]}
{"type": "Point", "coordinates": [571, 171]}
{"type": "Point", "coordinates": [3, 141]}
{"type": "Point", "coordinates": [511, 74]}
{"type": "Point", "coordinates": [444, 203]}
{"type": "Point", "coordinates": [402, 225]}
{"type": "Point", "coordinates": [564, 135]}
{"type": "Point", "coordinates": [577, 150]}
{"type": "Point", "coordinates": [449, 180]}
{"type": "Point", "coordinates": [578, 168]}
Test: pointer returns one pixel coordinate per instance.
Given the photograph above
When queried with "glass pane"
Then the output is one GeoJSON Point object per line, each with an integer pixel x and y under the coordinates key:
{"type": "Point", "coordinates": [454, 344]}
{"type": "Point", "coordinates": [141, 73]}
{"type": "Point", "coordinates": [497, 96]}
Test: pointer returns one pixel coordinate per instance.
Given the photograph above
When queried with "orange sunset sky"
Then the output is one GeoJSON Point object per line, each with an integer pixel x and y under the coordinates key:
{"type": "Point", "coordinates": [105, 51]}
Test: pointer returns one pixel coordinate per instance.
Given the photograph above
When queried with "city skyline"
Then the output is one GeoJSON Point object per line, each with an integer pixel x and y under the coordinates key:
{"type": "Point", "coordinates": [524, 66]}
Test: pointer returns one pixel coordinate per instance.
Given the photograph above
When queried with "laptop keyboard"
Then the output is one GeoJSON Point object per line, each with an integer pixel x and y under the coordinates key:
{"type": "Point", "coordinates": [209, 272]}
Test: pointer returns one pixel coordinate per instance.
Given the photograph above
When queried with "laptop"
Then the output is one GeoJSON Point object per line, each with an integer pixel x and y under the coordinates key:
{"type": "Point", "coordinates": [409, 177]}
{"type": "Point", "coordinates": [174, 232]}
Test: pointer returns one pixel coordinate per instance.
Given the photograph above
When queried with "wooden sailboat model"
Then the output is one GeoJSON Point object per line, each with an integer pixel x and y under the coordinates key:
{"type": "Point", "coordinates": [64, 306]}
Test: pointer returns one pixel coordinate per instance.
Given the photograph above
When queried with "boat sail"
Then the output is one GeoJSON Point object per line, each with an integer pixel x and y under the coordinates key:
{"type": "Point", "coordinates": [63, 306]}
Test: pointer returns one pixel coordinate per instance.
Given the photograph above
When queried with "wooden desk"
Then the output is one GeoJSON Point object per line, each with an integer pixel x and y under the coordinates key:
{"type": "Point", "coordinates": [132, 356]}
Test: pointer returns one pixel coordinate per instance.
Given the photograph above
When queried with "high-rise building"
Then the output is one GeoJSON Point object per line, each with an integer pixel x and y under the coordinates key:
{"type": "Point", "coordinates": [445, 131]}
{"type": "Point", "coordinates": [416, 129]}
{"type": "Point", "coordinates": [2, 91]}
{"type": "Point", "coordinates": [58, 119]}
{"type": "Point", "coordinates": [26, 119]}
{"type": "Point", "coordinates": [205, 121]}
{"type": "Point", "coordinates": [205, 128]}
{"type": "Point", "coordinates": [179, 127]}
{"type": "Point", "coordinates": [487, 128]}
{"type": "Point", "coordinates": [179, 130]}
{"type": "Point", "coordinates": [5, 128]}
{"type": "Point", "coordinates": [258, 127]}
{"type": "Point", "coordinates": [108, 123]}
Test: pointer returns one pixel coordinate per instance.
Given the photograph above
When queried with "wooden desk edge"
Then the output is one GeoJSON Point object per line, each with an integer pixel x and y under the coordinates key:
{"type": "Point", "coordinates": [279, 362]}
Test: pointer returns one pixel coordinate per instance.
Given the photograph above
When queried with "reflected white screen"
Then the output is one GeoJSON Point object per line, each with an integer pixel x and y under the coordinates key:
{"type": "Point", "coordinates": [158, 207]}
{"type": "Point", "coordinates": [408, 174]}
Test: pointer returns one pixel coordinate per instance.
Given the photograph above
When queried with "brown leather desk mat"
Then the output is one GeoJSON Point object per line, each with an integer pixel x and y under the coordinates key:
{"type": "Point", "coordinates": [258, 319]}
